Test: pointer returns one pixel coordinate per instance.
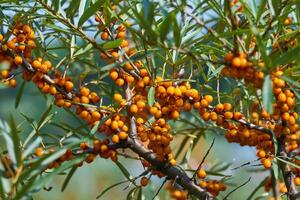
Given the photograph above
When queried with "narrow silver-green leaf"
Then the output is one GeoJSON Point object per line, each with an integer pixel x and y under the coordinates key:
{"type": "Point", "coordinates": [151, 96]}
{"type": "Point", "coordinates": [90, 11]}
{"type": "Point", "coordinates": [20, 94]}
{"type": "Point", "coordinates": [267, 94]}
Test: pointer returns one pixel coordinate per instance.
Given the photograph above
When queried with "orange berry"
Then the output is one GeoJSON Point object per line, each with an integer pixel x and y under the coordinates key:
{"type": "Point", "coordinates": [201, 173]}
{"type": "Point", "coordinates": [12, 83]}
{"type": "Point", "coordinates": [133, 108]}
{"type": "Point", "coordinates": [172, 162]}
{"type": "Point", "coordinates": [113, 75]}
{"type": "Point", "coordinates": [36, 64]}
{"type": "Point", "coordinates": [120, 82]}
{"type": "Point", "coordinates": [96, 115]}
{"type": "Point", "coordinates": [84, 100]}
{"type": "Point", "coordinates": [267, 163]}
{"type": "Point", "coordinates": [18, 60]}
{"type": "Point", "coordinates": [144, 181]}
{"type": "Point", "coordinates": [236, 62]}
{"type": "Point", "coordinates": [115, 55]}
{"type": "Point", "coordinates": [297, 181]}
{"type": "Point", "coordinates": [171, 90]}
{"type": "Point", "coordinates": [281, 97]}
{"type": "Point", "coordinates": [219, 107]}
{"type": "Point", "coordinates": [115, 139]}
{"type": "Point", "coordinates": [175, 114]}
{"type": "Point", "coordinates": [84, 91]}
{"type": "Point", "coordinates": [39, 151]}
{"type": "Point", "coordinates": [261, 153]}
{"type": "Point", "coordinates": [228, 115]}
{"type": "Point", "coordinates": [228, 57]}
{"type": "Point", "coordinates": [118, 97]}
{"type": "Point", "coordinates": [69, 86]}
{"type": "Point", "coordinates": [208, 98]}
{"type": "Point", "coordinates": [104, 35]}
{"type": "Point", "coordinates": [237, 115]}
{"type": "Point", "coordinates": [122, 135]}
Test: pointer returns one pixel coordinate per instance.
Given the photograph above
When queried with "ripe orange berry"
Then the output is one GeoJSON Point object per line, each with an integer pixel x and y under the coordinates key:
{"type": "Point", "coordinates": [39, 151]}
{"type": "Point", "coordinates": [115, 55]}
{"type": "Point", "coordinates": [281, 97]}
{"type": "Point", "coordinates": [12, 83]}
{"type": "Point", "coordinates": [84, 100]}
{"type": "Point", "coordinates": [172, 162]}
{"type": "Point", "coordinates": [228, 57]}
{"type": "Point", "coordinates": [104, 35]}
{"type": "Point", "coordinates": [4, 73]}
{"type": "Point", "coordinates": [69, 86]}
{"type": "Point", "coordinates": [115, 139]}
{"type": "Point", "coordinates": [114, 125]}
{"type": "Point", "coordinates": [52, 90]}
{"type": "Point", "coordinates": [175, 115]}
{"type": "Point", "coordinates": [267, 163]}
{"type": "Point", "coordinates": [133, 108]}
{"type": "Point", "coordinates": [144, 181]}
{"type": "Point", "coordinates": [201, 173]}
{"type": "Point", "coordinates": [261, 153]}
{"type": "Point", "coordinates": [236, 62]}
{"type": "Point", "coordinates": [96, 115]}
{"type": "Point", "coordinates": [122, 135]}
{"type": "Point", "coordinates": [84, 91]}
{"type": "Point", "coordinates": [297, 181]}
{"type": "Point", "coordinates": [228, 115]}
{"type": "Point", "coordinates": [120, 82]}
{"type": "Point", "coordinates": [18, 60]}
{"type": "Point", "coordinates": [237, 115]}
{"type": "Point", "coordinates": [227, 106]}
{"type": "Point", "coordinates": [1, 37]}
{"type": "Point", "coordinates": [171, 90]}
{"type": "Point", "coordinates": [208, 98]}
{"type": "Point", "coordinates": [219, 107]}
{"type": "Point", "coordinates": [113, 75]}
{"type": "Point", "coordinates": [36, 64]}
{"type": "Point", "coordinates": [118, 97]}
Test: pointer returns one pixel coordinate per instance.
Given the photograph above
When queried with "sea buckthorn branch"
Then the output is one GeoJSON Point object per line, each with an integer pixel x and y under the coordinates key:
{"type": "Point", "coordinates": [287, 173]}
{"type": "Point", "coordinates": [172, 172]}
{"type": "Point", "coordinates": [29, 68]}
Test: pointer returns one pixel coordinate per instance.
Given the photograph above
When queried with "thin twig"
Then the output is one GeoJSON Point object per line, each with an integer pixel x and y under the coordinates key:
{"type": "Point", "coordinates": [203, 159]}
{"type": "Point", "coordinates": [235, 189]}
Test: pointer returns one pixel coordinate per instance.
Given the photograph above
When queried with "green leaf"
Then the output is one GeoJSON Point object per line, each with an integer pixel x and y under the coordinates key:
{"type": "Point", "coordinates": [45, 117]}
{"type": "Point", "coordinates": [37, 184]}
{"type": "Point", "coordinates": [112, 44]}
{"type": "Point", "coordinates": [124, 171]}
{"type": "Point", "coordinates": [288, 162]}
{"type": "Point", "coordinates": [267, 94]}
{"type": "Point", "coordinates": [16, 141]}
{"type": "Point", "coordinates": [275, 168]}
{"type": "Point", "coordinates": [68, 178]}
{"type": "Point", "coordinates": [90, 11]}
{"type": "Point", "coordinates": [164, 27]}
{"type": "Point", "coordinates": [288, 57]}
{"type": "Point", "coordinates": [262, 48]}
{"type": "Point", "coordinates": [109, 188]}
{"type": "Point", "coordinates": [151, 96]}
{"type": "Point", "coordinates": [257, 188]}
{"type": "Point", "coordinates": [82, 6]}
{"type": "Point", "coordinates": [20, 94]}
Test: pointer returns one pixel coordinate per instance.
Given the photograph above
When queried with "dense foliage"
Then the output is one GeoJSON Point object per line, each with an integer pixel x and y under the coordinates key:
{"type": "Point", "coordinates": [145, 80]}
